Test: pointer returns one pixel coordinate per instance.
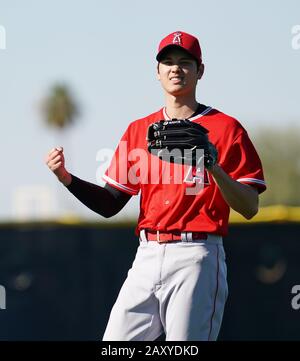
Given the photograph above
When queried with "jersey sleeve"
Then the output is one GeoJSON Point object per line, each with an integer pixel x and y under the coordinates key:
{"type": "Point", "coordinates": [120, 173]}
{"type": "Point", "coordinates": [244, 164]}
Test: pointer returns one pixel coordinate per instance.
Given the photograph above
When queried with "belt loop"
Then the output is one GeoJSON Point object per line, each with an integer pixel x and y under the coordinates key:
{"type": "Point", "coordinates": [157, 236]}
{"type": "Point", "coordinates": [189, 236]}
{"type": "Point", "coordinates": [143, 235]}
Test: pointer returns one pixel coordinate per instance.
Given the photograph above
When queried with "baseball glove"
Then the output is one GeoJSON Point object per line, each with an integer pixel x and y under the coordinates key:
{"type": "Point", "coordinates": [178, 140]}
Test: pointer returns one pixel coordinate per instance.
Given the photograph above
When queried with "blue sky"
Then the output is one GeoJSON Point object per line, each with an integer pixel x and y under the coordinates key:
{"type": "Point", "coordinates": [105, 51]}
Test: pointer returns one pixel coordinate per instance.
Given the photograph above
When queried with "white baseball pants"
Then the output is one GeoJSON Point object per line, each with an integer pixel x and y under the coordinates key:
{"type": "Point", "coordinates": [179, 288]}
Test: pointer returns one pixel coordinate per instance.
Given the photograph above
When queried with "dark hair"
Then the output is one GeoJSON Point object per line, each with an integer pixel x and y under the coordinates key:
{"type": "Point", "coordinates": [164, 51]}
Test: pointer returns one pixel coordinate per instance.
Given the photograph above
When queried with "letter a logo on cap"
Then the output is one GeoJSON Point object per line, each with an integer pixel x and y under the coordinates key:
{"type": "Point", "coordinates": [177, 38]}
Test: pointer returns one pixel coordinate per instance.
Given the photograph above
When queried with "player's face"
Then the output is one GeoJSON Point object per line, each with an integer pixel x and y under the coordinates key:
{"type": "Point", "coordinates": [178, 72]}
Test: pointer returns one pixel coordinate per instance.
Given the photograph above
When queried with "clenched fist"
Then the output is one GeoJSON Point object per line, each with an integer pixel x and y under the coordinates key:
{"type": "Point", "coordinates": [55, 161]}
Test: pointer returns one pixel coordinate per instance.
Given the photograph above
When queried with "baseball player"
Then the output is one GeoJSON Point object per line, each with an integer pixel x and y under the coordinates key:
{"type": "Point", "coordinates": [177, 283]}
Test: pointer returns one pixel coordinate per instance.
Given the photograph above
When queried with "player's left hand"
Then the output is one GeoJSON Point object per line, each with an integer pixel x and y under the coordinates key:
{"type": "Point", "coordinates": [181, 137]}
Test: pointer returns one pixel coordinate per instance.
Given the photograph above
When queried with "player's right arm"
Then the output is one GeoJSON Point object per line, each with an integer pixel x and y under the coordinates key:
{"type": "Point", "coordinates": [106, 201]}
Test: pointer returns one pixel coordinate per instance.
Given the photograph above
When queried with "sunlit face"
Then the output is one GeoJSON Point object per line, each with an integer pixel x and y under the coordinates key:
{"type": "Point", "coordinates": [178, 72]}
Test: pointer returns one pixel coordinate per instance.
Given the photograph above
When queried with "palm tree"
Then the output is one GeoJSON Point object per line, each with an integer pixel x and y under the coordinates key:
{"type": "Point", "coordinates": [60, 110]}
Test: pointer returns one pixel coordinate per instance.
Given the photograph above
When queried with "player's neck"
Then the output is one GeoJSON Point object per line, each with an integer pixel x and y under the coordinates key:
{"type": "Point", "coordinates": [180, 109]}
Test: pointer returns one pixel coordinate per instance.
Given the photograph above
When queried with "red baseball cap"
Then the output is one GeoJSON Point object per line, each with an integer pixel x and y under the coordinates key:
{"type": "Point", "coordinates": [183, 40]}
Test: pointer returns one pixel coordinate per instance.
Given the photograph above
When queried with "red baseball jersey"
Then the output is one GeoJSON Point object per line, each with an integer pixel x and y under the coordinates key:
{"type": "Point", "coordinates": [168, 202]}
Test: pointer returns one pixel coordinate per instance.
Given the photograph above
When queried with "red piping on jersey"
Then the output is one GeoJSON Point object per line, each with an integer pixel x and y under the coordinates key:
{"type": "Point", "coordinates": [216, 293]}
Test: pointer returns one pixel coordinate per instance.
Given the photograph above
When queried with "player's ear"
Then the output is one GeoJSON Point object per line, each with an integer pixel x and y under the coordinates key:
{"type": "Point", "coordinates": [157, 72]}
{"type": "Point", "coordinates": [200, 70]}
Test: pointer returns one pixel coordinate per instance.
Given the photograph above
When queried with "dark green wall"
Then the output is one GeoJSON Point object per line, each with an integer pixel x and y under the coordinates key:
{"type": "Point", "coordinates": [61, 281]}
